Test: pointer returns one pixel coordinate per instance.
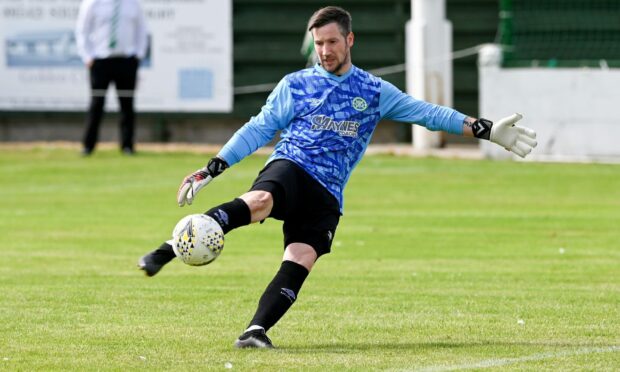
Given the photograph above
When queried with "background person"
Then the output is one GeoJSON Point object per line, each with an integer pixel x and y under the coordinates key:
{"type": "Point", "coordinates": [111, 38]}
{"type": "Point", "coordinates": [326, 115]}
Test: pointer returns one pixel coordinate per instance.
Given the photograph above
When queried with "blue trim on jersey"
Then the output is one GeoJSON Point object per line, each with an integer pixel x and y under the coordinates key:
{"type": "Point", "coordinates": [327, 122]}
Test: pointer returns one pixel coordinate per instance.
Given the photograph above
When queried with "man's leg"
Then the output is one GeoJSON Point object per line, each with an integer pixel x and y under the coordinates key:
{"type": "Point", "coordinates": [152, 262]}
{"type": "Point", "coordinates": [251, 207]}
{"type": "Point", "coordinates": [99, 81]}
{"type": "Point", "coordinates": [125, 82]}
{"type": "Point", "coordinates": [311, 215]}
{"type": "Point", "coordinates": [280, 294]}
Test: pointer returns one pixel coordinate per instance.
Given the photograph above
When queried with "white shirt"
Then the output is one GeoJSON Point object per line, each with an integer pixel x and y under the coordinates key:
{"type": "Point", "coordinates": [94, 29]}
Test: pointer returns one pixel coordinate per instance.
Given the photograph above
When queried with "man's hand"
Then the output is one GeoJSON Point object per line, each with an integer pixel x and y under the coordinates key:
{"type": "Point", "coordinates": [199, 179]}
{"type": "Point", "coordinates": [515, 138]}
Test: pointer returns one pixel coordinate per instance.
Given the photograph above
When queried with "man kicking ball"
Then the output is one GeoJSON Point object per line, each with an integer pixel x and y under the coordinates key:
{"type": "Point", "coordinates": [327, 114]}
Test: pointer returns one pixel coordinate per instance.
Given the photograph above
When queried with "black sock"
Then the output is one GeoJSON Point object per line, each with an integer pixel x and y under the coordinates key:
{"type": "Point", "coordinates": [163, 254]}
{"type": "Point", "coordinates": [280, 294]}
{"type": "Point", "coordinates": [231, 215]}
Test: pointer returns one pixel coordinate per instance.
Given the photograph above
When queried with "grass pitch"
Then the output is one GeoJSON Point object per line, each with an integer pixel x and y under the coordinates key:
{"type": "Point", "coordinates": [437, 265]}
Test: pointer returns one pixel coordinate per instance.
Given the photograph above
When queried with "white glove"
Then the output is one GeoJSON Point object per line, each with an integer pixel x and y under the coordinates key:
{"type": "Point", "coordinates": [515, 138]}
{"type": "Point", "coordinates": [199, 179]}
{"type": "Point", "coordinates": [520, 140]}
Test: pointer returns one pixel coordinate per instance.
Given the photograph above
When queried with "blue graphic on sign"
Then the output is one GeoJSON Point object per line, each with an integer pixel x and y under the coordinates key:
{"type": "Point", "coordinates": [53, 48]}
{"type": "Point", "coordinates": [46, 48]}
{"type": "Point", "coordinates": [195, 84]}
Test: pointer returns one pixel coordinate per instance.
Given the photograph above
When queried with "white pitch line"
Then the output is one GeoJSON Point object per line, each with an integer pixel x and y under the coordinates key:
{"type": "Point", "coordinates": [489, 363]}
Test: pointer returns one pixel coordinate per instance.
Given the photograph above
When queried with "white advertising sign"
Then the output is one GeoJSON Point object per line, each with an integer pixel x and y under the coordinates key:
{"type": "Point", "coordinates": [188, 67]}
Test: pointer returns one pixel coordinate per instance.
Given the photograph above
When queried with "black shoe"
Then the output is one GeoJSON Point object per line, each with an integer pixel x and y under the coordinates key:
{"type": "Point", "coordinates": [152, 262]}
{"type": "Point", "coordinates": [256, 338]}
{"type": "Point", "coordinates": [86, 152]}
{"type": "Point", "coordinates": [128, 151]}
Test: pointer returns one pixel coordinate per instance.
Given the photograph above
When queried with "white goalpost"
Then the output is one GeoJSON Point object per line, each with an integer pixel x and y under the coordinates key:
{"type": "Point", "coordinates": [428, 62]}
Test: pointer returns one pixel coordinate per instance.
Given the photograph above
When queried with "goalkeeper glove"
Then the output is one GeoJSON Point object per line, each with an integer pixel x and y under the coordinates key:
{"type": "Point", "coordinates": [515, 138]}
{"type": "Point", "coordinates": [199, 179]}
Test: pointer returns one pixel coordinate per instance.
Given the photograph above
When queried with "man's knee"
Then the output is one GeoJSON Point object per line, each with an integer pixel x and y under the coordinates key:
{"type": "Point", "coordinates": [302, 254]}
{"type": "Point", "coordinates": [260, 204]}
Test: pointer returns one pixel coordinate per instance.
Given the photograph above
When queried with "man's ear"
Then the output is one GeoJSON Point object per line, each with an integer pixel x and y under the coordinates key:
{"type": "Point", "coordinates": [350, 39]}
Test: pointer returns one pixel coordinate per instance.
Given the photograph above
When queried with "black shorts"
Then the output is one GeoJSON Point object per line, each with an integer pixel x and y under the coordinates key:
{"type": "Point", "coordinates": [310, 213]}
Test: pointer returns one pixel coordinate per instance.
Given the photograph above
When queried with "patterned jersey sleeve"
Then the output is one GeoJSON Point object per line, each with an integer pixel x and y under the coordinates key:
{"type": "Point", "coordinates": [275, 115]}
{"type": "Point", "coordinates": [398, 106]}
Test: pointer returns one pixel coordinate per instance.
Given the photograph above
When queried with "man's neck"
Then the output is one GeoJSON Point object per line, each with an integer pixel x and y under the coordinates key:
{"type": "Point", "coordinates": [343, 69]}
{"type": "Point", "coordinates": [341, 72]}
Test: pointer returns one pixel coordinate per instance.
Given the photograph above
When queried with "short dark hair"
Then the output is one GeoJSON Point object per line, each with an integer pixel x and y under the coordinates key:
{"type": "Point", "coordinates": [331, 14]}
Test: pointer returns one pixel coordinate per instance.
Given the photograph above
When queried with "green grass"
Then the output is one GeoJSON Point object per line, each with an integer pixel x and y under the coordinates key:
{"type": "Point", "coordinates": [436, 265]}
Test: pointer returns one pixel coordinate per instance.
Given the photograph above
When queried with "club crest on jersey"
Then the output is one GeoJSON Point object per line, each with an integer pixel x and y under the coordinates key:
{"type": "Point", "coordinates": [345, 128]}
{"type": "Point", "coordinates": [359, 104]}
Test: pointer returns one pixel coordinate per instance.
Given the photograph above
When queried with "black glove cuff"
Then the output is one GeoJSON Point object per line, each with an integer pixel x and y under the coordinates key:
{"type": "Point", "coordinates": [216, 166]}
{"type": "Point", "coordinates": [482, 128]}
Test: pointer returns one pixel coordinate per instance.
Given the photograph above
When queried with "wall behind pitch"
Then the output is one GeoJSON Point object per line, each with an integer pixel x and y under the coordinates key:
{"type": "Point", "coordinates": [573, 110]}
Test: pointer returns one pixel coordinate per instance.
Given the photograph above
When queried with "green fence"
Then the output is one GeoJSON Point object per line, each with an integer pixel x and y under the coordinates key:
{"type": "Point", "coordinates": [560, 33]}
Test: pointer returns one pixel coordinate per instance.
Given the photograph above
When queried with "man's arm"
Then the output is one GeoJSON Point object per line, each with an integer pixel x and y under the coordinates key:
{"type": "Point", "coordinates": [467, 129]}
{"type": "Point", "coordinates": [82, 32]}
{"type": "Point", "coordinates": [141, 33]}
{"type": "Point", "coordinates": [275, 115]}
{"type": "Point", "coordinates": [396, 105]}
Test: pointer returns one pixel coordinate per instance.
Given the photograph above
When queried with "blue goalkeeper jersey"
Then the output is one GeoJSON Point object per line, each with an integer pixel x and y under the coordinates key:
{"type": "Point", "coordinates": [326, 122]}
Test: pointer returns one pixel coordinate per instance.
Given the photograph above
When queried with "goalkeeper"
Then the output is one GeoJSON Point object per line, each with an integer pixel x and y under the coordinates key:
{"type": "Point", "coordinates": [327, 114]}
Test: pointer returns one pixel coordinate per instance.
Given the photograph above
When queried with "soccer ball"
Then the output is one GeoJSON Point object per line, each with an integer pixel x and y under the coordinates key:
{"type": "Point", "coordinates": [197, 239]}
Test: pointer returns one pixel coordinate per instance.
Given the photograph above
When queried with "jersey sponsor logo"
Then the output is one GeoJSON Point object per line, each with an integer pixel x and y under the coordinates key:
{"type": "Point", "coordinates": [345, 128]}
{"type": "Point", "coordinates": [359, 104]}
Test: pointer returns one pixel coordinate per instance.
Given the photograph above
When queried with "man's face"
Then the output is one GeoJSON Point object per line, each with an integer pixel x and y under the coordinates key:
{"type": "Point", "coordinates": [333, 49]}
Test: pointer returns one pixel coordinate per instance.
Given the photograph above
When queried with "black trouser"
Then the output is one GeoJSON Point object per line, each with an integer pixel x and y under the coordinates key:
{"type": "Point", "coordinates": [122, 71]}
